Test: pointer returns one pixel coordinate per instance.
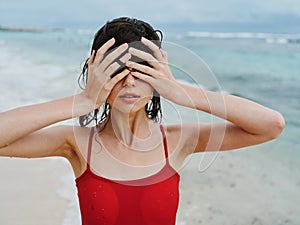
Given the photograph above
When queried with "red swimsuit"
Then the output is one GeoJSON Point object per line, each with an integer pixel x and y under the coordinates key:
{"type": "Point", "coordinates": [148, 201]}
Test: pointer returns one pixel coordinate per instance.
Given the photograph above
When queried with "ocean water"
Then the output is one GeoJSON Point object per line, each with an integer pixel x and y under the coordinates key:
{"type": "Point", "coordinates": [36, 67]}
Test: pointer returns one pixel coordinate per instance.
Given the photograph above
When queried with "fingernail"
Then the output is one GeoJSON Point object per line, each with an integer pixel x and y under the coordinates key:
{"type": "Point", "coordinates": [128, 55]}
{"type": "Point", "coordinates": [125, 45]}
{"type": "Point", "coordinates": [131, 50]}
{"type": "Point", "coordinates": [128, 63]}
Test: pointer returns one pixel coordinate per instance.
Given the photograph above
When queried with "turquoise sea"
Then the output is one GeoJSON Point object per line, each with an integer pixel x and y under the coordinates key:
{"type": "Point", "coordinates": [264, 67]}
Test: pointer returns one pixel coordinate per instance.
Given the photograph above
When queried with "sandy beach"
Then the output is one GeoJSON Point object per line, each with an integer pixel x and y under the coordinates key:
{"type": "Point", "coordinates": [29, 191]}
{"type": "Point", "coordinates": [240, 187]}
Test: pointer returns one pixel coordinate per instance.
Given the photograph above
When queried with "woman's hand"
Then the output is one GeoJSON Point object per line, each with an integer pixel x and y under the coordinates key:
{"type": "Point", "coordinates": [100, 69]}
{"type": "Point", "coordinates": [248, 122]}
{"type": "Point", "coordinates": [159, 75]}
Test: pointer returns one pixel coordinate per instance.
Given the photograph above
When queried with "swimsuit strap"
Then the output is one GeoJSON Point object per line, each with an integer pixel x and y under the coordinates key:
{"type": "Point", "coordinates": [165, 143]}
{"type": "Point", "coordinates": [90, 147]}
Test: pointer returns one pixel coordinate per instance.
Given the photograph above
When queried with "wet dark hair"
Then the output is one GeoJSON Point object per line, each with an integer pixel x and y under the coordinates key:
{"type": "Point", "coordinates": [124, 30]}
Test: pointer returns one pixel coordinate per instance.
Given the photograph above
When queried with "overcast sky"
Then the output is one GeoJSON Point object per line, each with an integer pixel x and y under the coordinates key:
{"type": "Point", "coordinates": [280, 14]}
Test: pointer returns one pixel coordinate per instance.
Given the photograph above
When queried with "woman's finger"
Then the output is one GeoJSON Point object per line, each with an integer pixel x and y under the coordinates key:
{"type": "Point", "coordinates": [164, 54]}
{"type": "Point", "coordinates": [117, 67]}
{"type": "Point", "coordinates": [142, 68]}
{"type": "Point", "coordinates": [121, 62]}
{"type": "Point", "coordinates": [104, 48]}
{"type": "Point", "coordinates": [125, 58]}
{"type": "Point", "coordinates": [143, 77]}
{"type": "Point", "coordinates": [153, 47]}
{"type": "Point", "coordinates": [144, 56]}
{"type": "Point", "coordinates": [113, 81]}
{"type": "Point", "coordinates": [112, 56]}
{"type": "Point", "coordinates": [92, 58]}
{"type": "Point", "coordinates": [112, 69]}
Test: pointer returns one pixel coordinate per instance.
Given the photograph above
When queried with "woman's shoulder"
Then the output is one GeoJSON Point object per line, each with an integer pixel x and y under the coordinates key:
{"type": "Point", "coordinates": [78, 138]}
{"type": "Point", "coordinates": [175, 137]}
{"type": "Point", "coordinates": [71, 132]}
{"type": "Point", "coordinates": [182, 137]}
{"type": "Point", "coordinates": [177, 131]}
{"type": "Point", "coordinates": [77, 135]}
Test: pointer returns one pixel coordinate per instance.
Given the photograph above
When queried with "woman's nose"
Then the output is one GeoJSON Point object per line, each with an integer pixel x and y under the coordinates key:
{"type": "Point", "coordinates": [129, 80]}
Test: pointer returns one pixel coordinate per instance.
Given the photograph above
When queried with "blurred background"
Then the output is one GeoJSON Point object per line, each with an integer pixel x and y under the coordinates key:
{"type": "Point", "coordinates": [214, 15]}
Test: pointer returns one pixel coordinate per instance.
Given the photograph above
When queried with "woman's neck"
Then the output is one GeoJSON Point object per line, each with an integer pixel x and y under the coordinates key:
{"type": "Point", "coordinates": [135, 130]}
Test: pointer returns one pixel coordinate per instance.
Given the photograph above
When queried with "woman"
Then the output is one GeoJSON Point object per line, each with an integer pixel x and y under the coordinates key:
{"type": "Point", "coordinates": [126, 165]}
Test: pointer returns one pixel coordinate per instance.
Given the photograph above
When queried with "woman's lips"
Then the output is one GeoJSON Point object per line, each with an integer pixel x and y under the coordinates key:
{"type": "Point", "coordinates": [129, 97]}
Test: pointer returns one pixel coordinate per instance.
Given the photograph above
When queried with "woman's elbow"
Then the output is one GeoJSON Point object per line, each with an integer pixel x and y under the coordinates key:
{"type": "Point", "coordinates": [277, 125]}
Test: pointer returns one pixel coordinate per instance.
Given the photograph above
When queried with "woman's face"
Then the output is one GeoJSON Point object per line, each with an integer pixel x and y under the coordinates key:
{"type": "Point", "coordinates": [130, 95]}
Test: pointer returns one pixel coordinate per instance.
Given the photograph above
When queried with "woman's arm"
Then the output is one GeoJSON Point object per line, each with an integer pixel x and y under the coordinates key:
{"type": "Point", "coordinates": [250, 116]}
{"type": "Point", "coordinates": [21, 133]}
{"type": "Point", "coordinates": [19, 126]}
{"type": "Point", "coordinates": [247, 123]}
{"type": "Point", "coordinates": [20, 122]}
{"type": "Point", "coordinates": [53, 141]}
